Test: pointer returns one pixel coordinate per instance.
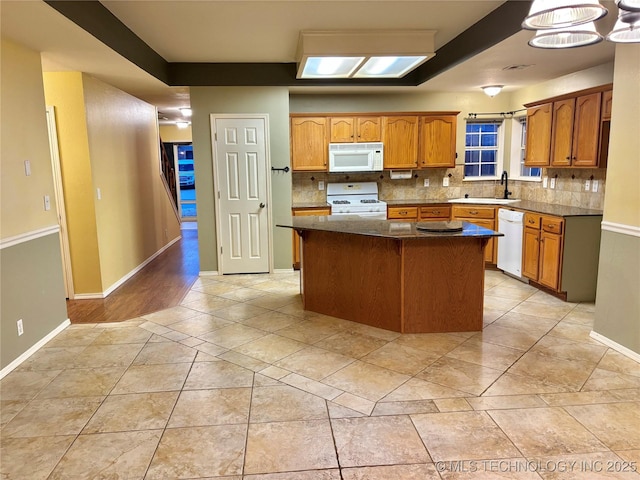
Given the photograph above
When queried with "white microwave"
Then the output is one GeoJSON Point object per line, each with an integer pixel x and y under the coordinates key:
{"type": "Point", "coordinates": [356, 157]}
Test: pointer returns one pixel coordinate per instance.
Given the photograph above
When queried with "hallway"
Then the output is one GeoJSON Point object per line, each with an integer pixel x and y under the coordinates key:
{"type": "Point", "coordinates": [159, 285]}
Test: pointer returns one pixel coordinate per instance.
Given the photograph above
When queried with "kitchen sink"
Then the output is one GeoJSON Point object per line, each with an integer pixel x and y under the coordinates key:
{"type": "Point", "coordinates": [488, 201]}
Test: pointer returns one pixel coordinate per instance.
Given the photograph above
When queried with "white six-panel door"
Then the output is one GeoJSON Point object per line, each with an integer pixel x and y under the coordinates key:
{"type": "Point", "coordinates": [240, 166]}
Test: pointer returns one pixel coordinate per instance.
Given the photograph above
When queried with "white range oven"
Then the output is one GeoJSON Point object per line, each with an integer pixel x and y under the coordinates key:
{"type": "Point", "coordinates": [359, 198]}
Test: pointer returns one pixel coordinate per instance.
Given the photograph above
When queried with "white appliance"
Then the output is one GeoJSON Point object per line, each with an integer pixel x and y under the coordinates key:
{"type": "Point", "coordinates": [510, 246]}
{"type": "Point", "coordinates": [356, 157]}
{"type": "Point", "coordinates": [360, 198]}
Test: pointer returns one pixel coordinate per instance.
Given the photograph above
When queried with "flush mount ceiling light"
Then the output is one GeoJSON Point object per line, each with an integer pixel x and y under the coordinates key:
{"type": "Point", "coordinates": [492, 90]}
{"type": "Point", "coordinates": [570, 37]}
{"type": "Point", "coordinates": [182, 124]}
{"type": "Point", "coordinates": [363, 53]}
{"type": "Point", "coordinates": [547, 14]}
{"type": "Point", "coordinates": [186, 112]}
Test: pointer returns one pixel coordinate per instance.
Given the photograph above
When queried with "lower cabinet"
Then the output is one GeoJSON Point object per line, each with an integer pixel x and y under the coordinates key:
{"type": "Point", "coordinates": [542, 249]}
{"type": "Point", "coordinates": [409, 214]}
{"type": "Point", "coordinates": [435, 213]}
{"type": "Point", "coordinates": [483, 216]}
{"type": "Point", "coordinates": [301, 212]}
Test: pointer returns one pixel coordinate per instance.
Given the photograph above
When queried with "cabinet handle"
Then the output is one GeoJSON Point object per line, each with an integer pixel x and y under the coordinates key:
{"type": "Point", "coordinates": [436, 212]}
{"type": "Point", "coordinates": [550, 225]}
{"type": "Point", "coordinates": [531, 221]}
{"type": "Point", "coordinates": [567, 158]}
{"type": "Point", "coordinates": [473, 212]}
{"type": "Point", "coordinates": [403, 212]}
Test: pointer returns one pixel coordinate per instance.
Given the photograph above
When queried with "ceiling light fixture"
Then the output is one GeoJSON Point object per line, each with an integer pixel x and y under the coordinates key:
{"type": "Point", "coordinates": [629, 11]}
{"type": "Point", "coordinates": [186, 112]}
{"type": "Point", "coordinates": [624, 32]}
{"type": "Point", "coordinates": [548, 14]}
{"type": "Point", "coordinates": [362, 53]}
{"type": "Point", "coordinates": [492, 90]}
{"type": "Point", "coordinates": [182, 124]}
{"type": "Point", "coordinates": [578, 36]}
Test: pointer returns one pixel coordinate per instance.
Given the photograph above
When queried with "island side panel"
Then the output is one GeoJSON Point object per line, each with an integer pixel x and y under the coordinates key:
{"type": "Point", "coordinates": [444, 285]}
{"type": "Point", "coordinates": [354, 277]}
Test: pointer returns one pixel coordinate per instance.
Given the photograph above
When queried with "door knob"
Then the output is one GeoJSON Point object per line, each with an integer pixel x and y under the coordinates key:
{"type": "Point", "coordinates": [262, 205]}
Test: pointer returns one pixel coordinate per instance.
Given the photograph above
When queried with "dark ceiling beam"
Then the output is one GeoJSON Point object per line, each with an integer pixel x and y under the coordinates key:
{"type": "Point", "coordinates": [500, 24]}
{"type": "Point", "coordinates": [96, 19]}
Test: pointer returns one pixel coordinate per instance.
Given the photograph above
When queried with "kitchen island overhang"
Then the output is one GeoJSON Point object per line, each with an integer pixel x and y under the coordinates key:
{"type": "Point", "coordinates": [391, 275]}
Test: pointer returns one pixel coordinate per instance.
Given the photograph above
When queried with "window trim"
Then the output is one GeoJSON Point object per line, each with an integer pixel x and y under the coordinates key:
{"type": "Point", "coordinates": [516, 150]}
{"type": "Point", "coordinates": [499, 152]}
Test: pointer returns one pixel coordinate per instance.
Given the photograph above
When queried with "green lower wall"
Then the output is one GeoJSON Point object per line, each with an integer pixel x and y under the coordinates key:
{"type": "Point", "coordinates": [618, 294]}
{"type": "Point", "coordinates": [31, 288]}
{"type": "Point", "coordinates": [241, 100]}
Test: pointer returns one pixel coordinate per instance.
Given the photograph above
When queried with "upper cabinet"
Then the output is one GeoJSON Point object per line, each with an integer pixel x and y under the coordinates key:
{"type": "Point", "coordinates": [576, 125]}
{"type": "Point", "coordinates": [309, 150]}
{"type": "Point", "coordinates": [570, 130]}
{"type": "Point", "coordinates": [354, 129]}
{"type": "Point", "coordinates": [400, 140]}
{"type": "Point", "coordinates": [438, 141]}
{"type": "Point", "coordinates": [538, 136]}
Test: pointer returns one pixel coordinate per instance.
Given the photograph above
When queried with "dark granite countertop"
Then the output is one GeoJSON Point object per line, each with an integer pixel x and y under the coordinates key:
{"type": "Point", "coordinates": [527, 205]}
{"type": "Point", "coordinates": [354, 224]}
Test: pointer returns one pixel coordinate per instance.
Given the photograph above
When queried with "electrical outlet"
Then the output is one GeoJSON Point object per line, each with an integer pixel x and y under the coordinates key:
{"type": "Point", "coordinates": [587, 185]}
{"type": "Point", "coordinates": [552, 183]}
{"type": "Point", "coordinates": [321, 185]}
{"type": "Point", "coordinates": [98, 193]}
{"type": "Point", "coordinates": [445, 182]}
{"type": "Point", "coordinates": [47, 202]}
{"type": "Point", "coordinates": [20, 327]}
{"type": "Point", "coordinates": [27, 168]}
{"type": "Point", "coordinates": [594, 186]}
{"type": "Point", "coordinates": [426, 182]}
{"type": "Point", "coordinates": [545, 182]}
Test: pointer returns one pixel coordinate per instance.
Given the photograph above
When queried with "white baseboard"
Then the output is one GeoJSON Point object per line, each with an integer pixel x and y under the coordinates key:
{"type": "Point", "coordinates": [88, 296]}
{"type": "Point", "coordinates": [37, 346]}
{"type": "Point", "coordinates": [208, 273]}
{"type": "Point", "coordinates": [283, 270]}
{"type": "Point", "coordinates": [616, 346]}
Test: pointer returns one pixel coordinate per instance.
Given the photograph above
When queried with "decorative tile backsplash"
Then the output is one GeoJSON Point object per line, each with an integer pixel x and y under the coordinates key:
{"type": "Point", "coordinates": [569, 189]}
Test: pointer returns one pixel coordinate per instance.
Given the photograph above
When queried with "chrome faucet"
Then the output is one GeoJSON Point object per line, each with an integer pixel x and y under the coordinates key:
{"type": "Point", "coordinates": [504, 180]}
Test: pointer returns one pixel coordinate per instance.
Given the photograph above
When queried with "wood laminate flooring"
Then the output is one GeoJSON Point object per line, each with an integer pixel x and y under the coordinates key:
{"type": "Point", "coordinates": [160, 284]}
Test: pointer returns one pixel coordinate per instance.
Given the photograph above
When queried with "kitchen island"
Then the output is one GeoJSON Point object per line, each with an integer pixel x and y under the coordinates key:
{"type": "Point", "coordinates": [392, 275]}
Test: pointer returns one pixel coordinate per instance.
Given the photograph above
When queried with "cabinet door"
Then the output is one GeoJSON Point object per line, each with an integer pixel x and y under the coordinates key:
{"type": "Point", "coordinates": [342, 130]}
{"type": "Point", "coordinates": [402, 213]}
{"type": "Point", "coordinates": [368, 129]}
{"type": "Point", "coordinates": [490, 250]}
{"type": "Point", "coordinates": [586, 131]}
{"type": "Point", "coordinates": [309, 149]}
{"type": "Point", "coordinates": [400, 139]}
{"type": "Point", "coordinates": [550, 254]}
{"type": "Point", "coordinates": [562, 132]}
{"type": "Point", "coordinates": [298, 212]}
{"type": "Point", "coordinates": [607, 101]}
{"type": "Point", "coordinates": [438, 141]}
{"type": "Point", "coordinates": [530, 252]}
{"type": "Point", "coordinates": [436, 213]}
{"type": "Point", "coordinates": [538, 136]}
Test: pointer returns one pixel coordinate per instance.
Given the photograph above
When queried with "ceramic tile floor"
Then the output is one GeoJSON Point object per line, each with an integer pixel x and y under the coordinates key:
{"type": "Point", "coordinates": [239, 382]}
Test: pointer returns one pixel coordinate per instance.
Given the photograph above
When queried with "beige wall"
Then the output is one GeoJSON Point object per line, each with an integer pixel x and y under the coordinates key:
{"type": "Point", "coordinates": [24, 137]}
{"type": "Point", "coordinates": [617, 300]}
{"type": "Point", "coordinates": [171, 133]}
{"type": "Point", "coordinates": [31, 283]}
{"type": "Point", "coordinates": [134, 217]}
{"type": "Point", "coordinates": [65, 92]}
{"type": "Point", "coordinates": [241, 100]}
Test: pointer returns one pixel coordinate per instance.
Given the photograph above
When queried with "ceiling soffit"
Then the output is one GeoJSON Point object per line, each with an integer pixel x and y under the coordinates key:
{"type": "Point", "coordinates": [97, 20]}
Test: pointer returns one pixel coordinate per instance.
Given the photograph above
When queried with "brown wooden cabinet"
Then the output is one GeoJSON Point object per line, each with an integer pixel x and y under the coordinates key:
{"type": "Point", "coordinates": [309, 150]}
{"type": "Point", "coordinates": [400, 139]}
{"type": "Point", "coordinates": [435, 213]}
{"type": "Point", "coordinates": [607, 102]}
{"type": "Point", "coordinates": [538, 135]}
{"type": "Point", "coordinates": [437, 141]}
{"type": "Point", "coordinates": [355, 129]}
{"type": "Point", "coordinates": [575, 131]}
{"type": "Point", "coordinates": [409, 214]}
{"type": "Point", "coordinates": [483, 216]}
{"type": "Point", "coordinates": [304, 212]}
{"type": "Point", "coordinates": [542, 249]}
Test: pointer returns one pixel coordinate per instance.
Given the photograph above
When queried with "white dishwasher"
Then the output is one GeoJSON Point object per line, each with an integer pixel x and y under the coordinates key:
{"type": "Point", "coordinates": [510, 246]}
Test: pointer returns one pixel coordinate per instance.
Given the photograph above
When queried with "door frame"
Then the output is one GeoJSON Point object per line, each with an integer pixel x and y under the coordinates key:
{"type": "Point", "coordinates": [216, 186]}
{"type": "Point", "coordinates": [60, 205]}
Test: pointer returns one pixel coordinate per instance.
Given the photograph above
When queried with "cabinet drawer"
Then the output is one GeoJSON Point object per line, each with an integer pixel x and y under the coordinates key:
{"type": "Point", "coordinates": [402, 212]}
{"type": "Point", "coordinates": [552, 224]}
{"type": "Point", "coordinates": [532, 220]}
{"type": "Point", "coordinates": [460, 211]}
{"type": "Point", "coordinates": [443, 211]}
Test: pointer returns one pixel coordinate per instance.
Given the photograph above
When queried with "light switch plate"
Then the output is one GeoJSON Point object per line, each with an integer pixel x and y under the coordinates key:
{"type": "Point", "coordinates": [552, 184]}
{"type": "Point", "coordinates": [594, 186]}
{"type": "Point", "coordinates": [445, 182]}
{"type": "Point", "coordinates": [27, 168]}
{"type": "Point", "coordinates": [426, 182]}
{"type": "Point", "coordinates": [587, 185]}
{"type": "Point", "coordinates": [47, 202]}
{"type": "Point", "coordinates": [98, 193]}
{"type": "Point", "coordinates": [321, 185]}
{"type": "Point", "coordinates": [545, 182]}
